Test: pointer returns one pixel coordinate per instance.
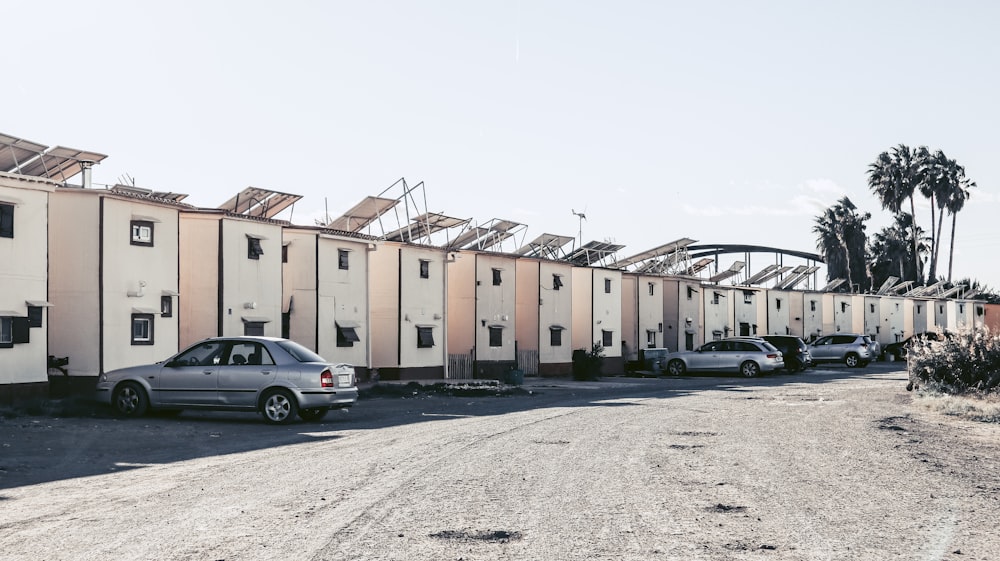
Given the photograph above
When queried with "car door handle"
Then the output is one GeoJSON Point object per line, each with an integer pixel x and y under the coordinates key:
{"type": "Point", "coordinates": [208, 372]}
{"type": "Point", "coordinates": [266, 372]}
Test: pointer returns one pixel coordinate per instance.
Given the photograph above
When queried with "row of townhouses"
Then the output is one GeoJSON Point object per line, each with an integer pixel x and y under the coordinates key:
{"type": "Point", "coordinates": [94, 279]}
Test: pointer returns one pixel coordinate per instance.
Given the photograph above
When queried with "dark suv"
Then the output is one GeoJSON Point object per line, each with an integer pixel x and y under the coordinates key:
{"type": "Point", "coordinates": [794, 349]}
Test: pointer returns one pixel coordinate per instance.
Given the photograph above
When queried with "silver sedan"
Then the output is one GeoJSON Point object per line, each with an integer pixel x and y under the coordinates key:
{"type": "Point", "coordinates": [278, 378]}
{"type": "Point", "coordinates": [749, 356]}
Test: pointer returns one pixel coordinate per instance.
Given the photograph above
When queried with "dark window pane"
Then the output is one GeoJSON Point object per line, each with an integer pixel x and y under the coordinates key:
{"type": "Point", "coordinates": [6, 221]}
{"type": "Point", "coordinates": [425, 337]}
{"type": "Point", "coordinates": [496, 277]}
{"type": "Point", "coordinates": [342, 259]}
{"type": "Point", "coordinates": [555, 337]}
{"type": "Point", "coordinates": [254, 250]}
{"type": "Point", "coordinates": [35, 316]}
{"type": "Point", "coordinates": [254, 328]}
{"type": "Point", "coordinates": [142, 232]}
{"type": "Point", "coordinates": [496, 336]}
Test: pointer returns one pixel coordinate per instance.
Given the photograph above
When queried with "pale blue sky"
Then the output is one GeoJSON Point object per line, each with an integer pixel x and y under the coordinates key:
{"type": "Point", "coordinates": [725, 122]}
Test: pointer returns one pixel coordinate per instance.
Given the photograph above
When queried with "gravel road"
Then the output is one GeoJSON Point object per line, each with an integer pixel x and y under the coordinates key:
{"type": "Point", "coordinates": [831, 464]}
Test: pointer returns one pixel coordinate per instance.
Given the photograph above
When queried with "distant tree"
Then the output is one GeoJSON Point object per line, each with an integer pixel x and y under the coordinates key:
{"type": "Point", "coordinates": [981, 291]}
{"type": "Point", "coordinates": [842, 242]}
{"type": "Point", "coordinates": [891, 250]}
{"type": "Point", "coordinates": [895, 177]}
{"type": "Point", "coordinates": [952, 194]}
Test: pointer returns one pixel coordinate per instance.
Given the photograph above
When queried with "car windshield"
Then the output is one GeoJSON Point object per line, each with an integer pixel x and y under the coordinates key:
{"type": "Point", "coordinates": [769, 346]}
{"type": "Point", "coordinates": [299, 352]}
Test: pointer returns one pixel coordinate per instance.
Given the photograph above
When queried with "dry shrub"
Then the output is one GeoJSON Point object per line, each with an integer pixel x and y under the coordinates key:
{"type": "Point", "coordinates": [965, 363]}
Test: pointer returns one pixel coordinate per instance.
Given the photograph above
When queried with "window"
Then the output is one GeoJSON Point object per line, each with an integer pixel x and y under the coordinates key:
{"type": "Point", "coordinates": [940, 309]}
{"type": "Point", "coordinates": [142, 232]}
{"type": "Point", "coordinates": [961, 308]}
{"type": "Point", "coordinates": [6, 220]}
{"type": "Point", "coordinates": [425, 337]}
{"type": "Point", "coordinates": [496, 336]}
{"type": "Point", "coordinates": [342, 259]}
{"type": "Point", "coordinates": [6, 332]}
{"type": "Point", "coordinates": [607, 286]}
{"type": "Point", "coordinates": [812, 305]}
{"type": "Point", "coordinates": [496, 277]}
{"type": "Point", "coordinates": [142, 329]}
{"type": "Point", "coordinates": [843, 307]}
{"type": "Point", "coordinates": [555, 336]}
{"type": "Point", "coordinates": [34, 316]}
{"type": "Point", "coordinates": [249, 354]}
{"type": "Point", "coordinates": [690, 292]}
{"type": "Point", "coordinates": [744, 329]}
{"type": "Point", "coordinates": [651, 338]}
{"type": "Point", "coordinates": [254, 250]}
{"type": "Point", "coordinates": [556, 282]}
{"type": "Point", "coordinates": [607, 338]}
{"type": "Point", "coordinates": [872, 308]}
{"type": "Point", "coordinates": [919, 308]}
{"type": "Point", "coordinates": [748, 297]}
{"type": "Point", "coordinates": [284, 253]}
{"type": "Point", "coordinates": [347, 334]}
{"type": "Point", "coordinates": [425, 269]}
{"type": "Point", "coordinates": [651, 289]}
{"type": "Point", "coordinates": [204, 354]}
{"type": "Point", "coordinates": [777, 303]}
{"type": "Point", "coordinates": [715, 298]}
{"type": "Point", "coordinates": [254, 328]}
{"type": "Point", "coordinates": [166, 306]}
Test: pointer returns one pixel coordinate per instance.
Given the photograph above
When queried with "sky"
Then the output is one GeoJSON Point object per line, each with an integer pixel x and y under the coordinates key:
{"type": "Point", "coordinates": [727, 122]}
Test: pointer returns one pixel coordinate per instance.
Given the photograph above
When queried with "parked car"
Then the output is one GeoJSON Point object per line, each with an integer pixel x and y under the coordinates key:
{"type": "Point", "coordinates": [794, 351]}
{"type": "Point", "coordinates": [852, 349]}
{"type": "Point", "coordinates": [278, 378]}
{"type": "Point", "coordinates": [899, 349]}
{"type": "Point", "coordinates": [747, 355]}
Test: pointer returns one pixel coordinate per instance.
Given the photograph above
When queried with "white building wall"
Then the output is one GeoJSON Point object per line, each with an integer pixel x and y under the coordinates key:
{"type": "Point", "coordinates": [24, 276]}
{"type": "Point", "coordinates": [495, 306]}
{"type": "Point", "coordinates": [813, 310]}
{"type": "Point", "coordinates": [298, 286]}
{"type": "Point", "coordinates": [719, 313]}
{"type": "Point", "coordinates": [343, 299]}
{"type": "Point", "coordinates": [422, 304]}
{"type": "Point", "coordinates": [607, 287]}
{"type": "Point", "coordinates": [650, 313]}
{"type": "Point", "coordinates": [251, 288]}
{"type": "Point", "coordinates": [893, 320]}
{"type": "Point", "coordinates": [199, 277]}
{"type": "Point", "coordinates": [555, 309]}
{"type": "Point", "coordinates": [923, 314]}
{"type": "Point", "coordinates": [873, 324]}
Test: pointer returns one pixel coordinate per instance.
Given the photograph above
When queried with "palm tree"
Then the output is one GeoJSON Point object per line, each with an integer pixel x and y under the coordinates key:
{"type": "Point", "coordinates": [842, 242]}
{"type": "Point", "coordinates": [892, 250]}
{"type": "Point", "coordinates": [895, 177]}
{"type": "Point", "coordinates": [954, 203]}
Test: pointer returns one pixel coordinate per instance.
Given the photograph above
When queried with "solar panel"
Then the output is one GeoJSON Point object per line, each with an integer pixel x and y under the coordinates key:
{"type": "Point", "coordinates": [733, 269]}
{"type": "Point", "coordinates": [698, 266]}
{"type": "Point", "coordinates": [17, 151]}
{"type": "Point", "coordinates": [425, 225]}
{"type": "Point", "coordinates": [889, 282]}
{"type": "Point", "coordinates": [832, 285]}
{"type": "Point", "coordinates": [60, 163]}
{"type": "Point", "coordinates": [661, 251]}
{"type": "Point", "coordinates": [362, 214]}
{"type": "Point", "coordinates": [256, 201]}
{"type": "Point", "coordinates": [546, 245]}
{"type": "Point", "coordinates": [592, 252]}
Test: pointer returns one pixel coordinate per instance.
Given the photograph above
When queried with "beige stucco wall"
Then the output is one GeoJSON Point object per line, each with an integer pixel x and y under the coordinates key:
{"type": "Point", "coordinates": [199, 268]}
{"type": "Point", "coordinates": [778, 318]}
{"type": "Point", "coordinates": [462, 303]}
{"type": "Point", "coordinates": [298, 285]}
{"type": "Point", "coordinates": [24, 274]}
{"type": "Point", "coordinates": [528, 304]}
{"type": "Point", "coordinates": [401, 301]}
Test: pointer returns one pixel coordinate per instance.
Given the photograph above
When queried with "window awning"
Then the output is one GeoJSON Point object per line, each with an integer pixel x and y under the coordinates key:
{"type": "Point", "coordinates": [38, 303]}
{"type": "Point", "coordinates": [170, 293]}
{"type": "Point", "coordinates": [348, 323]}
{"type": "Point", "coordinates": [255, 319]}
{"type": "Point", "coordinates": [145, 218]}
{"type": "Point", "coordinates": [138, 310]}
{"type": "Point", "coordinates": [11, 314]}
{"type": "Point", "coordinates": [256, 237]}
{"type": "Point", "coordinates": [556, 326]}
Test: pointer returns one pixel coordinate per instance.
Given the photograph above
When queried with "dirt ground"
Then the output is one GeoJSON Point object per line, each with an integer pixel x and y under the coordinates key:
{"type": "Point", "coordinates": [831, 464]}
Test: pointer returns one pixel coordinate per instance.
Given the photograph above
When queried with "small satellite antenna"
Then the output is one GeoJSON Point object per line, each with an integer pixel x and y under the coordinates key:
{"type": "Point", "coordinates": [582, 216]}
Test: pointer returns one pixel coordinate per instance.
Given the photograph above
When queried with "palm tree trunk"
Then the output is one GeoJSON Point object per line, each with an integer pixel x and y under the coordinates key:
{"type": "Point", "coordinates": [918, 270]}
{"type": "Point", "coordinates": [932, 270]}
{"type": "Point", "coordinates": [951, 250]}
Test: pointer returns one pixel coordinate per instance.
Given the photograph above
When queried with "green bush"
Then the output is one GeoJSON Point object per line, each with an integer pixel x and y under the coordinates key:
{"type": "Point", "coordinates": [587, 365]}
{"type": "Point", "coordinates": [963, 363]}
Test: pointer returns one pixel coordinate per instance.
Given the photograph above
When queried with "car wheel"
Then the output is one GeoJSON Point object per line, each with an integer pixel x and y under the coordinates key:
{"type": "Point", "coordinates": [313, 415]}
{"type": "Point", "coordinates": [676, 367]}
{"type": "Point", "coordinates": [279, 407]}
{"type": "Point", "coordinates": [749, 369]}
{"type": "Point", "coordinates": [852, 360]}
{"type": "Point", "coordinates": [130, 400]}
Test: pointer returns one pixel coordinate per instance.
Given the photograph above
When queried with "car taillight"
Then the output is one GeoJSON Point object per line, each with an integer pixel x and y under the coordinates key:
{"type": "Point", "coordinates": [326, 379]}
{"type": "Point", "coordinates": [773, 355]}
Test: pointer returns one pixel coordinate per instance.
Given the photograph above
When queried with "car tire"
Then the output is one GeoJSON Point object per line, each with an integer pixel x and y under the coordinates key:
{"type": "Point", "coordinates": [749, 369]}
{"type": "Point", "coordinates": [313, 415]}
{"type": "Point", "coordinates": [676, 367]}
{"type": "Point", "coordinates": [279, 407]}
{"type": "Point", "coordinates": [852, 360]}
{"type": "Point", "coordinates": [129, 400]}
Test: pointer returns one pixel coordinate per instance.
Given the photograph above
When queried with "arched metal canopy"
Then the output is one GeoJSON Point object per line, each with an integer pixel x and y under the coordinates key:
{"type": "Point", "coordinates": [717, 249]}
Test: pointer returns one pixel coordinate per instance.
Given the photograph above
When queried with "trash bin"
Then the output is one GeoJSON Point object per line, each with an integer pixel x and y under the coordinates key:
{"type": "Point", "coordinates": [515, 377]}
